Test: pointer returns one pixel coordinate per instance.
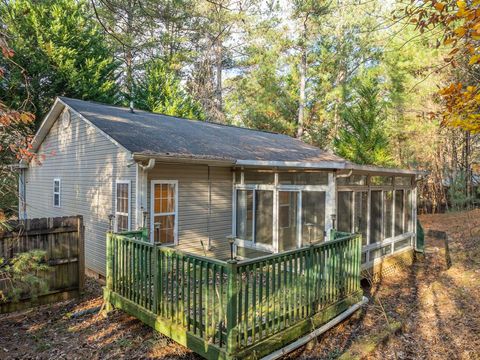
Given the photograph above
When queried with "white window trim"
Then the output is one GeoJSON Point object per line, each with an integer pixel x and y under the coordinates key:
{"type": "Point", "coordinates": [152, 209]}
{"type": "Point", "coordinates": [59, 192]}
{"type": "Point", "coordinates": [129, 214]}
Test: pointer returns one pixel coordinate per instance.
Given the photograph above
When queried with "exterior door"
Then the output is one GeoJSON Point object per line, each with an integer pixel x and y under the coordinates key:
{"type": "Point", "coordinates": [288, 220]}
{"type": "Point", "coordinates": [163, 212]}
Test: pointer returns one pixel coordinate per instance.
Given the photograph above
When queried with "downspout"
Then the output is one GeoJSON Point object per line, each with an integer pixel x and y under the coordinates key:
{"type": "Point", "coordinates": [143, 203]}
{"type": "Point", "coordinates": [314, 334]}
{"type": "Point", "coordinates": [345, 175]}
{"type": "Point", "coordinates": [149, 166]}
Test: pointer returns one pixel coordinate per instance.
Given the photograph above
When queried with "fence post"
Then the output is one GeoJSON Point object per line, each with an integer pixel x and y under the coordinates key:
{"type": "Point", "coordinates": [156, 278]}
{"type": "Point", "coordinates": [81, 254]}
{"type": "Point", "coordinates": [232, 340]}
{"type": "Point", "coordinates": [109, 270]}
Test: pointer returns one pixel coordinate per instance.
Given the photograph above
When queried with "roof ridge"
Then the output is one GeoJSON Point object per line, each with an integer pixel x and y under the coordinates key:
{"type": "Point", "coordinates": [178, 117]}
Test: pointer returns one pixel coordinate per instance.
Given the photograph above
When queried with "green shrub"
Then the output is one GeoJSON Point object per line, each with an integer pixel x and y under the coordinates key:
{"type": "Point", "coordinates": [23, 276]}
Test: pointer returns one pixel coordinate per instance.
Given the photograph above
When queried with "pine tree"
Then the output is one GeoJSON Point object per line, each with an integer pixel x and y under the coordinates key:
{"type": "Point", "coordinates": [160, 91]}
{"type": "Point", "coordinates": [361, 137]}
{"type": "Point", "coordinates": [63, 50]}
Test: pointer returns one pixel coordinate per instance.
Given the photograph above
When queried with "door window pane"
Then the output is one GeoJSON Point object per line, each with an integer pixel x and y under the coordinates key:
{"type": "Point", "coordinates": [313, 216]}
{"type": "Point", "coordinates": [399, 210]}
{"type": "Point", "coordinates": [287, 219]}
{"type": "Point", "coordinates": [264, 217]}
{"type": "Point", "coordinates": [164, 216]}
{"type": "Point", "coordinates": [344, 211]}
{"type": "Point", "coordinates": [361, 212]}
{"type": "Point", "coordinates": [164, 229]}
{"type": "Point", "coordinates": [245, 214]}
{"type": "Point", "coordinates": [375, 217]}
{"type": "Point", "coordinates": [388, 213]}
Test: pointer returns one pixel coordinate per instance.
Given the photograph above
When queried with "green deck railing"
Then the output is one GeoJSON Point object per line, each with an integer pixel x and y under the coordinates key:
{"type": "Point", "coordinates": [233, 309]}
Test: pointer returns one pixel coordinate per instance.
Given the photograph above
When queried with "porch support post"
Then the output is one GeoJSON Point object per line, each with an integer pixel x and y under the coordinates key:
{"type": "Point", "coordinates": [232, 331]}
{"type": "Point", "coordinates": [109, 271]}
{"type": "Point", "coordinates": [330, 203]}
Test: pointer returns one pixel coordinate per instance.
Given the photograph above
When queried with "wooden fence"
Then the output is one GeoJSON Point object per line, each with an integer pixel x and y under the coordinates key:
{"type": "Point", "coordinates": [62, 239]}
{"type": "Point", "coordinates": [233, 309]}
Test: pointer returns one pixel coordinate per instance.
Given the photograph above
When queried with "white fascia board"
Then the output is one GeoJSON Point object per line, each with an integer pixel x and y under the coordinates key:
{"type": "Point", "coordinates": [47, 124]}
{"type": "Point", "coordinates": [292, 164]}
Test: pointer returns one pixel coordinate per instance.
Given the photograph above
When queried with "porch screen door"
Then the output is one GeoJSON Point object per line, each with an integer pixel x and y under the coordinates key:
{"type": "Point", "coordinates": [164, 211]}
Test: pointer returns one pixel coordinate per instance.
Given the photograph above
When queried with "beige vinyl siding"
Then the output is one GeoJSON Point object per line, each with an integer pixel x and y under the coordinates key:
{"type": "Point", "coordinates": [194, 223]}
{"type": "Point", "coordinates": [88, 164]}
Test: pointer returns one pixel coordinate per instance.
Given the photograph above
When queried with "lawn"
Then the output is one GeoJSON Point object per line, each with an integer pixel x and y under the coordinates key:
{"type": "Point", "coordinates": [427, 311]}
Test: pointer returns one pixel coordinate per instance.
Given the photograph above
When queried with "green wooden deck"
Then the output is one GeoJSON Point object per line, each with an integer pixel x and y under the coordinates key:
{"type": "Point", "coordinates": [244, 309]}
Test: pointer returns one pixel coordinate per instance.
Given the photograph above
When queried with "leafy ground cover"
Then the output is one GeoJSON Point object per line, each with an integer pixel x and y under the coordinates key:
{"type": "Point", "coordinates": [427, 311]}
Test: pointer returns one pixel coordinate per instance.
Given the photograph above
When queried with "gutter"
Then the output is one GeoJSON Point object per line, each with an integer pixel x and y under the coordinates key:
{"type": "Point", "coordinates": [302, 341]}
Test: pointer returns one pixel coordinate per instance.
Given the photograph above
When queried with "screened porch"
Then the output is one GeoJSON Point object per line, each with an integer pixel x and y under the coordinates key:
{"type": "Point", "coordinates": [279, 211]}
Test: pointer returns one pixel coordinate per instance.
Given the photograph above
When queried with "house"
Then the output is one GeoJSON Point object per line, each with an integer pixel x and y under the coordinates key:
{"type": "Point", "coordinates": [194, 184]}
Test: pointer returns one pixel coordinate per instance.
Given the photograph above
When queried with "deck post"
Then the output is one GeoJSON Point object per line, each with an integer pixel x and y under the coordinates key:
{"type": "Point", "coordinates": [109, 270]}
{"type": "Point", "coordinates": [232, 340]}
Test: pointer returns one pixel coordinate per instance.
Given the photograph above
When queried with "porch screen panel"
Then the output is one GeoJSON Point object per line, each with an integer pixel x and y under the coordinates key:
{"type": "Point", "coordinates": [287, 220]}
{"type": "Point", "coordinates": [388, 213]}
{"type": "Point", "coordinates": [164, 213]}
{"type": "Point", "coordinates": [409, 214]}
{"type": "Point", "coordinates": [344, 211]}
{"type": "Point", "coordinates": [375, 216]}
{"type": "Point", "coordinates": [264, 217]}
{"type": "Point", "coordinates": [360, 214]}
{"type": "Point", "coordinates": [399, 212]}
{"type": "Point", "coordinates": [313, 216]}
{"type": "Point", "coordinates": [245, 214]}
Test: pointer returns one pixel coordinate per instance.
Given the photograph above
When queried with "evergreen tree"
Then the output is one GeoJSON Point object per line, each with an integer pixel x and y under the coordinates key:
{"type": "Point", "coordinates": [160, 91]}
{"type": "Point", "coordinates": [361, 137]}
{"type": "Point", "coordinates": [63, 50]}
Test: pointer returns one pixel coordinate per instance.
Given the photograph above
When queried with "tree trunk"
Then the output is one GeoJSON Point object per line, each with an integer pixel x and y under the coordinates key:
{"type": "Point", "coordinates": [303, 81]}
{"type": "Point", "coordinates": [218, 88]}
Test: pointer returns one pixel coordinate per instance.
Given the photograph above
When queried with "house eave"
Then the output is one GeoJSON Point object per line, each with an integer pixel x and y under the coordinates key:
{"type": "Point", "coordinates": [182, 159]}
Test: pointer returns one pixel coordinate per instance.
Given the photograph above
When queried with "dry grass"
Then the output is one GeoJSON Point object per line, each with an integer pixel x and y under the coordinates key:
{"type": "Point", "coordinates": [426, 311]}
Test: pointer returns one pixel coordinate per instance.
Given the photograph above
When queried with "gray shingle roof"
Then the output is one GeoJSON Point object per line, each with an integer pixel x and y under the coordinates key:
{"type": "Point", "coordinates": [148, 133]}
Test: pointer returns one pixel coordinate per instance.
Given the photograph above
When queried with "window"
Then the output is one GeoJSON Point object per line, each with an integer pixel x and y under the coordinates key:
{"type": "Point", "coordinates": [313, 217]}
{"type": "Point", "coordinates": [381, 180]}
{"type": "Point", "coordinates": [255, 216]}
{"type": "Point", "coordinates": [287, 219]}
{"type": "Point", "coordinates": [245, 214]}
{"type": "Point", "coordinates": [56, 192]}
{"type": "Point", "coordinates": [122, 206]}
{"type": "Point", "coordinates": [344, 211]}
{"type": "Point", "coordinates": [303, 178]}
{"type": "Point", "coordinates": [399, 212]}
{"type": "Point", "coordinates": [264, 217]}
{"type": "Point", "coordinates": [360, 217]}
{"type": "Point", "coordinates": [164, 207]}
{"type": "Point", "coordinates": [352, 180]}
{"type": "Point", "coordinates": [258, 177]}
{"type": "Point", "coordinates": [409, 214]}
{"type": "Point", "coordinates": [403, 180]}
{"type": "Point", "coordinates": [375, 216]}
{"type": "Point", "coordinates": [388, 213]}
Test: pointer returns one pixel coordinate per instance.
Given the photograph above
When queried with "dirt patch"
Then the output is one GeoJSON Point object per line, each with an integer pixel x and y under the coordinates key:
{"type": "Point", "coordinates": [438, 309]}
{"type": "Point", "coordinates": [438, 306]}
{"type": "Point", "coordinates": [49, 332]}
